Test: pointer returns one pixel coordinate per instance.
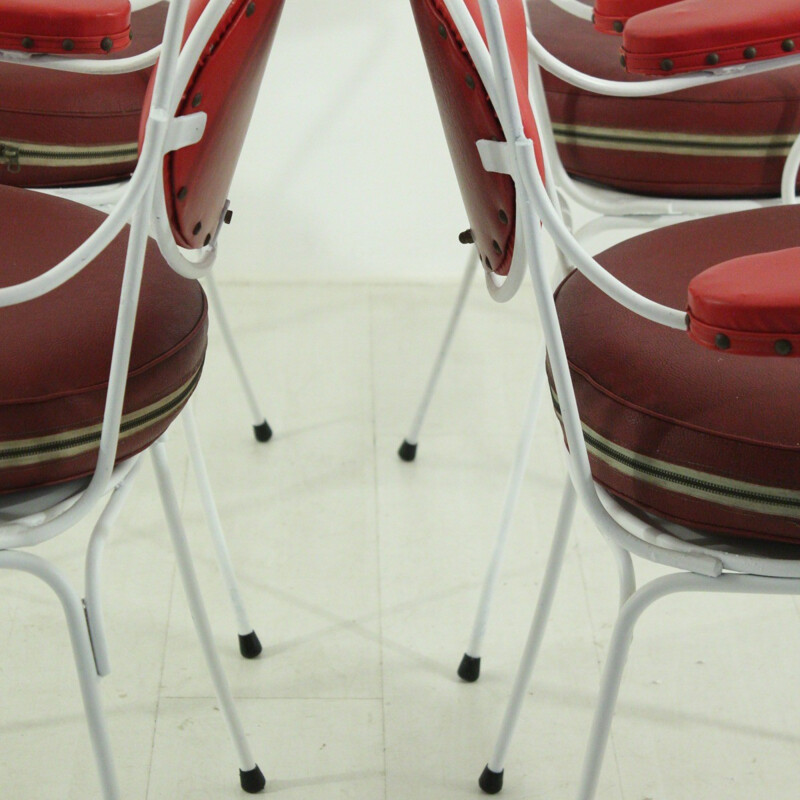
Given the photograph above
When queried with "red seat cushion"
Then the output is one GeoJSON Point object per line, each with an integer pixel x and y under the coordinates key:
{"type": "Point", "coordinates": [701, 437]}
{"type": "Point", "coordinates": [56, 351]}
{"type": "Point", "coordinates": [60, 128]}
{"type": "Point", "coordinates": [725, 140]}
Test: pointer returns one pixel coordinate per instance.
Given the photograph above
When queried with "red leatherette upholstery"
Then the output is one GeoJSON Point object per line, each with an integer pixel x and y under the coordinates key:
{"type": "Point", "coordinates": [692, 35]}
{"type": "Point", "coordinates": [468, 116]}
{"type": "Point", "coordinates": [62, 128]}
{"type": "Point", "coordinates": [610, 16]}
{"type": "Point", "coordinates": [678, 429]}
{"type": "Point", "coordinates": [728, 139]}
{"type": "Point", "coordinates": [56, 353]}
{"type": "Point", "coordinates": [749, 305]}
{"type": "Point", "coordinates": [66, 27]}
{"type": "Point", "coordinates": [225, 86]}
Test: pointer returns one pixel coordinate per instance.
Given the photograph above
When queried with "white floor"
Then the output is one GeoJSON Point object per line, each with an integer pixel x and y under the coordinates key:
{"type": "Point", "coordinates": [362, 572]}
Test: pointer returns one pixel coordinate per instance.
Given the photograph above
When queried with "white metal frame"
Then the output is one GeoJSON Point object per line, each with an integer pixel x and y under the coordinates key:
{"type": "Point", "coordinates": [698, 568]}
{"type": "Point", "coordinates": [137, 203]}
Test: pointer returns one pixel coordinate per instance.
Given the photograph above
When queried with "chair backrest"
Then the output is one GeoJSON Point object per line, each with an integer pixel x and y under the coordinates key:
{"type": "Point", "coordinates": [468, 116]}
{"type": "Point", "coordinates": [224, 85]}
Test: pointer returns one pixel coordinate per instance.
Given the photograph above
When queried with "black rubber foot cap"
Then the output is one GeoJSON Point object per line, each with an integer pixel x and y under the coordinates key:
{"type": "Point", "coordinates": [249, 645]}
{"type": "Point", "coordinates": [469, 669]}
{"type": "Point", "coordinates": [263, 431]}
{"type": "Point", "coordinates": [491, 782]}
{"type": "Point", "coordinates": [253, 781]}
{"type": "Point", "coordinates": [407, 451]}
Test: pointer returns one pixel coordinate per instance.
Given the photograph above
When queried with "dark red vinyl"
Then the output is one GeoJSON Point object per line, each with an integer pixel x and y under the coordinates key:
{"type": "Point", "coordinates": [62, 109]}
{"type": "Point", "coordinates": [468, 116]}
{"type": "Point", "coordinates": [56, 353]}
{"type": "Point", "coordinates": [640, 144]}
{"type": "Point", "coordinates": [693, 35]}
{"type": "Point", "coordinates": [749, 305]}
{"type": "Point", "coordinates": [655, 392]}
{"type": "Point", "coordinates": [66, 27]}
{"type": "Point", "coordinates": [224, 86]}
{"type": "Point", "coordinates": [610, 16]}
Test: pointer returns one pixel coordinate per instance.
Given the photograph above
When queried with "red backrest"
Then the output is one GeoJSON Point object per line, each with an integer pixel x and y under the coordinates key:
{"type": "Point", "coordinates": [468, 116]}
{"type": "Point", "coordinates": [224, 85]}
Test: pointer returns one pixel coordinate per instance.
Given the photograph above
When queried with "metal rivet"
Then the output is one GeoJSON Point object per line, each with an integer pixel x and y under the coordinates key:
{"type": "Point", "coordinates": [442, 31]}
{"type": "Point", "coordinates": [196, 100]}
{"type": "Point", "coordinates": [787, 45]}
{"type": "Point", "coordinates": [466, 237]}
{"type": "Point", "coordinates": [68, 44]}
{"type": "Point", "coordinates": [667, 64]}
{"type": "Point", "coordinates": [197, 228]}
{"type": "Point", "coordinates": [750, 52]}
{"type": "Point", "coordinates": [503, 216]}
{"type": "Point", "coordinates": [622, 61]}
{"type": "Point", "coordinates": [27, 42]}
{"type": "Point", "coordinates": [106, 44]}
{"type": "Point", "coordinates": [617, 26]}
{"type": "Point", "coordinates": [488, 263]}
{"type": "Point", "coordinates": [496, 247]}
{"type": "Point", "coordinates": [712, 58]}
{"type": "Point", "coordinates": [470, 81]}
{"type": "Point", "coordinates": [207, 240]}
{"type": "Point", "coordinates": [228, 216]}
{"type": "Point", "coordinates": [722, 341]}
{"type": "Point", "coordinates": [182, 192]}
{"type": "Point", "coordinates": [250, 10]}
{"type": "Point", "coordinates": [783, 347]}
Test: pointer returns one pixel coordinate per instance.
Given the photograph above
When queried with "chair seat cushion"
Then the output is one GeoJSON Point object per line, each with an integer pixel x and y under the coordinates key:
{"type": "Point", "coordinates": [724, 140]}
{"type": "Point", "coordinates": [698, 436]}
{"type": "Point", "coordinates": [56, 353]}
{"type": "Point", "coordinates": [61, 128]}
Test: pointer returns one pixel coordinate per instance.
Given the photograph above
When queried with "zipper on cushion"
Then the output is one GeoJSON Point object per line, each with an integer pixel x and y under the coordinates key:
{"type": "Point", "coordinates": [18, 154]}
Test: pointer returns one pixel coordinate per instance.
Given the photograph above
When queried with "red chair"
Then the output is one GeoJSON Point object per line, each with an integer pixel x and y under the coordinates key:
{"type": "Point", "coordinates": [667, 471]}
{"type": "Point", "coordinates": [104, 328]}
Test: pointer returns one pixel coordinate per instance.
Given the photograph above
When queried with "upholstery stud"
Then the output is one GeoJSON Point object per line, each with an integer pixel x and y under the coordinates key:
{"type": "Point", "coordinates": [496, 247]}
{"type": "Point", "coordinates": [207, 240]}
{"type": "Point", "coordinates": [666, 64]}
{"type": "Point", "coordinates": [787, 45]}
{"type": "Point", "coordinates": [722, 341]}
{"type": "Point", "coordinates": [68, 44]}
{"type": "Point", "coordinates": [503, 216]}
{"type": "Point", "coordinates": [27, 42]}
{"type": "Point", "coordinates": [470, 81]}
{"type": "Point", "coordinates": [750, 52]}
{"type": "Point", "coordinates": [107, 44]}
{"type": "Point", "coordinates": [617, 25]}
{"type": "Point", "coordinates": [197, 99]}
{"type": "Point", "coordinates": [250, 10]}
{"type": "Point", "coordinates": [488, 263]}
{"type": "Point", "coordinates": [442, 31]}
{"type": "Point", "coordinates": [197, 228]}
{"type": "Point", "coordinates": [783, 347]}
{"type": "Point", "coordinates": [622, 60]}
{"type": "Point", "coordinates": [182, 192]}
{"type": "Point", "coordinates": [712, 59]}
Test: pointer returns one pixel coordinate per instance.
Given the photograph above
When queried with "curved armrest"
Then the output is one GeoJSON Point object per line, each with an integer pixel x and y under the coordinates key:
{"type": "Point", "coordinates": [749, 305]}
{"type": "Point", "coordinates": [693, 35]}
{"type": "Point", "coordinates": [66, 27]}
{"type": "Point", "coordinates": [610, 16]}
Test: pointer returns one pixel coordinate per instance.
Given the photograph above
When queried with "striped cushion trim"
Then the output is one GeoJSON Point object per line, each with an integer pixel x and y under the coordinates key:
{"type": "Point", "coordinates": [673, 142]}
{"type": "Point", "coordinates": [68, 444]}
{"type": "Point", "coordinates": [694, 483]}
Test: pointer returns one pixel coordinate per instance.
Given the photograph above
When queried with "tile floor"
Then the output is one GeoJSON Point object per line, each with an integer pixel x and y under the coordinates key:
{"type": "Point", "coordinates": [361, 573]}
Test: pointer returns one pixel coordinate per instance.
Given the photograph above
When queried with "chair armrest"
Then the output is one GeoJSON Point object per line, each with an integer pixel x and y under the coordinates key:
{"type": "Point", "coordinates": [65, 27]}
{"type": "Point", "coordinates": [610, 16]}
{"type": "Point", "coordinates": [693, 35]}
{"type": "Point", "coordinates": [749, 305]}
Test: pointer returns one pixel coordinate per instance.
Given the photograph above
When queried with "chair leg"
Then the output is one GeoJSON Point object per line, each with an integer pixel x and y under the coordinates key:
{"type": "Point", "coordinates": [88, 677]}
{"type": "Point", "coordinates": [470, 667]}
{"type": "Point", "coordinates": [250, 776]}
{"type": "Point", "coordinates": [408, 449]}
{"type": "Point", "coordinates": [261, 428]}
{"type": "Point", "coordinates": [249, 644]}
{"type": "Point", "coordinates": [491, 780]}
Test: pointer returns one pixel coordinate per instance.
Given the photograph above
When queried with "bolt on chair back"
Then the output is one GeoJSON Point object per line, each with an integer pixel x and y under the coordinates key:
{"type": "Point", "coordinates": [668, 445]}
{"type": "Point", "coordinates": [105, 328]}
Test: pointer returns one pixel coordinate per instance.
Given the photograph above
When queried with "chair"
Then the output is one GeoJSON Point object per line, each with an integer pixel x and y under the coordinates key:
{"type": "Point", "coordinates": [76, 135]}
{"type": "Point", "coordinates": [667, 472]}
{"type": "Point", "coordinates": [630, 144]}
{"type": "Point", "coordinates": [104, 328]}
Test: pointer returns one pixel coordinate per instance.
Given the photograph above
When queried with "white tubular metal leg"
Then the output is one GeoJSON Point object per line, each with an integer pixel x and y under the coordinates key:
{"type": "Point", "coordinates": [84, 660]}
{"type": "Point", "coordinates": [261, 428]}
{"type": "Point", "coordinates": [622, 637]}
{"type": "Point", "coordinates": [491, 780]}
{"type": "Point", "coordinates": [93, 573]}
{"type": "Point", "coordinates": [408, 450]}
{"type": "Point", "coordinates": [251, 777]}
{"type": "Point", "coordinates": [470, 667]}
{"type": "Point", "coordinates": [249, 645]}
